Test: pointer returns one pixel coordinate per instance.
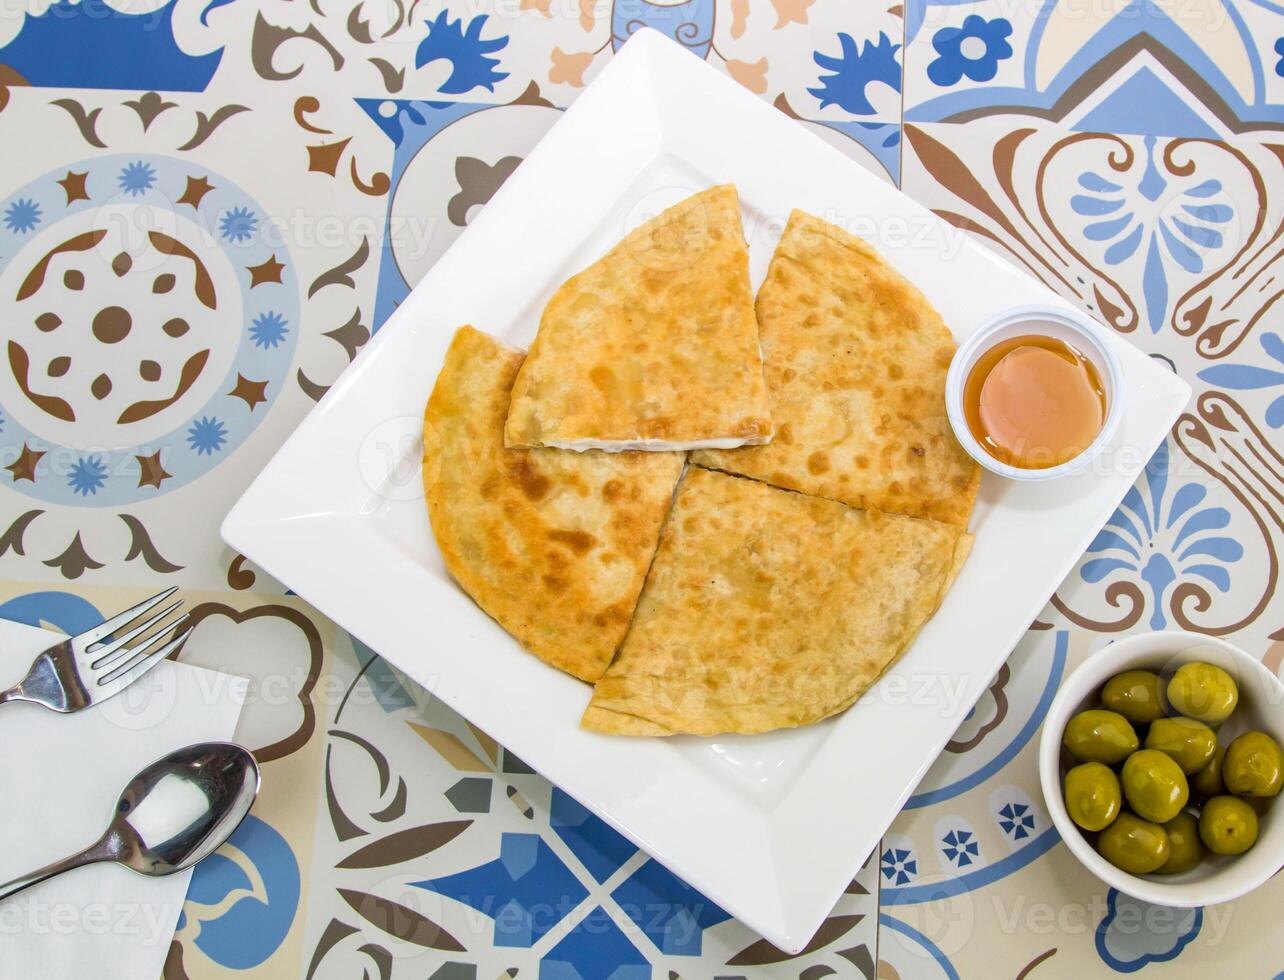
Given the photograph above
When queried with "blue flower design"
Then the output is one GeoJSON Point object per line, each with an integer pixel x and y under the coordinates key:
{"type": "Point", "coordinates": [960, 847]}
{"type": "Point", "coordinates": [1016, 820]}
{"type": "Point", "coordinates": [207, 436]}
{"type": "Point", "coordinates": [854, 71]}
{"type": "Point", "coordinates": [465, 50]}
{"type": "Point", "coordinates": [974, 50]}
{"type": "Point", "coordinates": [238, 224]}
{"type": "Point", "coordinates": [22, 215]}
{"type": "Point", "coordinates": [1186, 228]}
{"type": "Point", "coordinates": [1279, 50]}
{"type": "Point", "coordinates": [136, 178]}
{"type": "Point", "coordinates": [1241, 377]}
{"type": "Point", "coordinates": [1127, 949]}
{"type": "Point", "coordinates": [87, 475]}
{"type": "Point", "coordinates": [898, 865]}
{"type": "Point", "coordinates": [1163, 536]}
{"type": "Point", "coordinates": [268, 329]}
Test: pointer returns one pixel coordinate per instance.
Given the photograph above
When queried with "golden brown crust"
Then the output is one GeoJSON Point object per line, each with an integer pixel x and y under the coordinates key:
{"type": "Point", "coordinates": [768, 609]}
{"type": "Point", "coordinates": [855, 360]}
{"type": "Point", "coordinates": [656, 341]}
{"type": "Point", "coordinates": [554, 545]}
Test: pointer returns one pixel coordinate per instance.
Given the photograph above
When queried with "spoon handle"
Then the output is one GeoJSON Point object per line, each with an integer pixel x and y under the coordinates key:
{"type": "Point", "coordinates": [90, 855]}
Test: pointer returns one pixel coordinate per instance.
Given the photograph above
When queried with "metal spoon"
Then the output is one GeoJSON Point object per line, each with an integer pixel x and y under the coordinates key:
{"type": "Point", "coordinates": [174, 813]}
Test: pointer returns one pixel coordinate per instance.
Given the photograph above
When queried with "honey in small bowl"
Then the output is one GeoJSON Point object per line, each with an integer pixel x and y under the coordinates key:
{"type": "Point", "coordinates": [1034, 401]}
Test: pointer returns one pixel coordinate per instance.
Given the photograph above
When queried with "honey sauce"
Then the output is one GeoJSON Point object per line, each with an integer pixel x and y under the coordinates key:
{"type": "Point", "coordinates": [1034, 402]}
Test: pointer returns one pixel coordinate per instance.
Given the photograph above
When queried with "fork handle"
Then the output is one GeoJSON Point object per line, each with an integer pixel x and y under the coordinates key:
{"type": "Point", "coordinates": [13, 694]}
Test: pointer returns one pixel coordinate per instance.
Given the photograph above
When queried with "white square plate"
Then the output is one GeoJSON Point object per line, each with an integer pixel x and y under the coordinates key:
{"type": "Point", "coordinates": [770, 827]}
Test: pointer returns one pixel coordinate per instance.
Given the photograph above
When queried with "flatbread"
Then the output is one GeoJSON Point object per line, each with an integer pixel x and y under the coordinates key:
{"type": "Point", "coordinates": [654, 346]}
{"type": "Point", "coordinates": [555, 546]}
{"type": "Point", "coordinates": [855, 360]}
{"type": "Point", "coordinates": [768, 609]}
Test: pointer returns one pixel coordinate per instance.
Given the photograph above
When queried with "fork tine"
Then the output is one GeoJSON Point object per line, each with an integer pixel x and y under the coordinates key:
{"type": "Point", "coordinates": [121, 678]}
{"type": "Point", "coordinates": [94, 635]}
{"type": "Point", "coordinates": [117, 651]}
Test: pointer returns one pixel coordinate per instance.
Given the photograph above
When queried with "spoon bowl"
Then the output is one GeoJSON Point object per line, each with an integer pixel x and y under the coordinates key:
{"type": "Point", "coordinates": [182, 807]}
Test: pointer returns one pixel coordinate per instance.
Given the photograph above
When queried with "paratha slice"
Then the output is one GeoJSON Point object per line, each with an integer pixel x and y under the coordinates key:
{"type": "Point", "coordinates": [855, 360]}
{"type": "Point", "coordinates": [554, 546]}
{"type": "Point", "coordinates": [654, 346]}
{"type": "Point", "coordinates": [767, 609]}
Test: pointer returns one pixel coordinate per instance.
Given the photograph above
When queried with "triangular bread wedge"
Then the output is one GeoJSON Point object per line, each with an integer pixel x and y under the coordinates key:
{"type": "Point", "coordinates": [768, 609]}
{"type": "Point", "coordinates": [554, 546]}
{"type": "Point", "coordinates": [654, 346]}
{"type": "Point", "coordinates": [855, 360]}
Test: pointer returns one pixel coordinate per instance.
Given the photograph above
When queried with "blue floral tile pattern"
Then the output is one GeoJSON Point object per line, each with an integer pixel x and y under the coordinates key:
{"type": "Point", "coordinates": [1189, 226]}
{"type": "Point", "coordinates": [671, 913]}
{"type": "Point", "coordinates": [1127, 154]}
{"type": "Point", "coordinates": [960, 847]}
{"type": "Point", "coordinates": [1253, 377]}
{"type": "Point", "coordinates": [527, 890]}
{"type": "Point", "coordinates": [467, 51]}
{"type": "Point", "coordinates": [598, 950]}
{"type": "Point", "coordinates": [22, 215]}
{"type": "Point", "coordinates": [972, 51]}
{"type": "Point", "coordinates": [237, 920]}
{"type": "Point", "coordinates": [899, 866]}
{"type": "Point", "coordinates": [95, 44]}
{"type": "Point", "coordinates": [87, 475]}
{"type": "Point", "coordinates": [268, 329]}
{"type": "Point", "coordinates": [853, 70]}
{"type": "Point", "coordinates": [1016, 820]}
{"type": "Point", "coordinates": [136, 177]}
{"type": "Point", "coordinates": [1163, 533]}
{"type": "Point", "coordinates": [185, 253]}
{"type": "Point", "coordinates": [600, 849]}
{"type": "Point", "coordinates": [1126, 949]}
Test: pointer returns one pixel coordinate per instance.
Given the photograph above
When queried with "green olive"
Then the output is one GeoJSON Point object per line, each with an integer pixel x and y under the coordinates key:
{"type": "Point", "coordinates": [1099, 736]}
{"type": "Point", "coordinates": [1135, 694]}
{"type": "Point", "coordinates": [1227, 825]}
{"type": "Point", "coordinates": [1190, 743]}
{"type": "Point", "coordinates": [1154, 785]}
{"type": "Point", "coordinates": [1184, 850]}
{"type": "Point", "coordinates": [1203, 691]}
{"type": "Point", "coordinates": [1134, 845]}
{"type": "Point", "coordinates": [1252, 765]}
{"type": "Point", "coordinates": [1208, 781]}
{"type": "Point", "coordinates": [1093, 798]}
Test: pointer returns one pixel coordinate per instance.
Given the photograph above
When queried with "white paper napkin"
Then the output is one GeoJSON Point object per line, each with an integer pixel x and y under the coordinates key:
{"type": "Point", "coordinates": [60, 777]}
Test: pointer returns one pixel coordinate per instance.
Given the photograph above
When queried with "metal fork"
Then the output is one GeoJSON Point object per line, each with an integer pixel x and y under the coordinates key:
{"type": "Point", "coordinates": [85, 669]}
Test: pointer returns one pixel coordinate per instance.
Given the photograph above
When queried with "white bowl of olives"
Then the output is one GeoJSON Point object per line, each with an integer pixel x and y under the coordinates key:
{"type": "Point", "coordinates": [1160, 762]}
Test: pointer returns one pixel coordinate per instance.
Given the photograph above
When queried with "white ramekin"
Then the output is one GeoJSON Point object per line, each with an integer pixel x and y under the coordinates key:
{"type": "Point", "coordinates": [1075, 328]}
{"type": "Point", "coordinates": [1261, 706]}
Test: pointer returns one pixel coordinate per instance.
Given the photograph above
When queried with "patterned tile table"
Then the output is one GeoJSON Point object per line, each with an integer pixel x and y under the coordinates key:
{"type": "Point", "coordinates": [208, 206]}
